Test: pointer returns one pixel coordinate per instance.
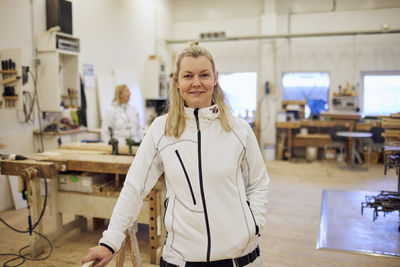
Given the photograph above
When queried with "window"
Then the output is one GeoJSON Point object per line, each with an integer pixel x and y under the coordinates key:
{"type": "Point", "coordinates": [309, 86]}
{"type": "Point", "coordinates": [240, 89]}
{"type": "Point", "coordinates": [381, 93]}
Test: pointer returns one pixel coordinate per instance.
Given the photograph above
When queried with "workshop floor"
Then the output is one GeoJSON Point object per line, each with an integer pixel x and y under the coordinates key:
{"type": "Point", "coordinates": [291, 234]}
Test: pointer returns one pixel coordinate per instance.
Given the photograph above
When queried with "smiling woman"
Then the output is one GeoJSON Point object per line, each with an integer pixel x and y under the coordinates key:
{"type": "Point", "coordinates": [196, 81]}
{"type": "Point", "coordinates": [214, 172]}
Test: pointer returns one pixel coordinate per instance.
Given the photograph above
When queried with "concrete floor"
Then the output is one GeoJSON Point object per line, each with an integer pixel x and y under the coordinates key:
{"type": "Point", "coordinates": [291, 234]}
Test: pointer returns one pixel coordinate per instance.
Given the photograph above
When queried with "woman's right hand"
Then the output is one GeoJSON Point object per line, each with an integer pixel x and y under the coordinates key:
{"type": "Point", "coordinates": [100, 255]}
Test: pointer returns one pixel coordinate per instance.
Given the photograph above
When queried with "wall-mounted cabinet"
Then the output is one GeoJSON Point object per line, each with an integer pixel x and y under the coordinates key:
{"type": "Point", "coordinates": [156, 86]}
{"type": "Point", "coordinates": [58, 72]}
{"type": "Point", "coordinates": [11, 79]}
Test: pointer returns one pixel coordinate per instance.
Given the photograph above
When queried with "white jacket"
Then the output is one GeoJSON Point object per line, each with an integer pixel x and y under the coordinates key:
{"type": "Point", "coordinates": [217, 188]}
{"type": "Point", "coordinates": [125, 122]}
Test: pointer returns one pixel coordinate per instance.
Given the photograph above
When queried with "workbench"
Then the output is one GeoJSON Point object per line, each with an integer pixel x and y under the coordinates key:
{"type": "Point", "coordinates": [317, 136]}
{"type": "Point", "coordinates": [86, 158]}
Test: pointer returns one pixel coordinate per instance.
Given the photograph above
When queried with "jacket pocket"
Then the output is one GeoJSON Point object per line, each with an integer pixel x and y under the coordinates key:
{"type": "Point", "coordinates": [165, 206]}
{"type": "Point", "coordinates": [254, 219]}
{"type": "Point", "coordinates": [187, 176]}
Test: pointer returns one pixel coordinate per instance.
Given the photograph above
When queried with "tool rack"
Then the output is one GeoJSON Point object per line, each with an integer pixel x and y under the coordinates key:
{"type": "Point", "coordinates": [11, 82]}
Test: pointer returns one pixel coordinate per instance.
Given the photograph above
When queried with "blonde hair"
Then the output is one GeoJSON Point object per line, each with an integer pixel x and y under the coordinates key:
{"type": "Point", "coordinates": [175, 124]}
{"type": "Point", "coordinates": [117, 92]}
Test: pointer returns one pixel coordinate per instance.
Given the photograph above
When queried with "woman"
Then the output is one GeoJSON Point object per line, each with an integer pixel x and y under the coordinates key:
{"type": "Point", "coordinates": [215, 176]}
{"type": "Point", "coordinates": [122, 118]}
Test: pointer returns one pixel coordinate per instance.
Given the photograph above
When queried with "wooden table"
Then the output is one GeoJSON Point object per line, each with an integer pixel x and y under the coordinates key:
{"type": "Point", "coordinates": [102, 147]}
{"type": "Point", "coordinates": [302, 140]}
{"type": "Point", "coordinates": [81, 204]}
{"type": "Point", "coordinates": [354, 136]}
{"type": "Point", "coordinates": [315, 140]}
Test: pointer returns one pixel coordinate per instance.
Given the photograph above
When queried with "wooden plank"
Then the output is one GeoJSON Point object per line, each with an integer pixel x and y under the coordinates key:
{"type": "Point", "coordinates": [314, 136]}
{"type": "Point", "coordinates": [288, 125]}
{"type": "Point", "coordinates": [153, 242]}
{"type": "Point", "coordinates": [316, 123]}
{"type": "Point", "coordinates": [391, 124]}
{"type": "Point", "coordinates": [340, 116]}
{"type": "Point", "coordinates": [98, 166]}
{"type": "Point", "coordinates": [367, 126]}
{"type": "Point", "coordinates": [91, 161]}
{"type": "Point", "coordinates": [395, 115]}
{"type": "Point", "coordinates": [103, 147]}
{"type": "Point", "coordinates": [294, 102]}
{"type": "Point", "coordinates": [279, 155]}
{"type": "Point", "coordinates": [315, 140]}
{"type": "Point", "coordinates": [15, 167]}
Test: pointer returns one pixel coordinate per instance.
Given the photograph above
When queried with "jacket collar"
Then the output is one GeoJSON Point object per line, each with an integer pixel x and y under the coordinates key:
{"type": "Point", "coordinates": [208, 113]}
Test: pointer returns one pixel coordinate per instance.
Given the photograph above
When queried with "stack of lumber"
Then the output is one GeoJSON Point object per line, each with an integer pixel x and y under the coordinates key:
{"type": "Point", "coordinates": [392, 129]}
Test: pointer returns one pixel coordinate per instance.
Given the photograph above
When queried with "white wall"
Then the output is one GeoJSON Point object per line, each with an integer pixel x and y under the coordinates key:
{"type": "Point", "coordinates": [344, 57]}
{"type": "Point", "coordinates": [16, 136]}
{"type": "Point", "coordinates": [114, 35]}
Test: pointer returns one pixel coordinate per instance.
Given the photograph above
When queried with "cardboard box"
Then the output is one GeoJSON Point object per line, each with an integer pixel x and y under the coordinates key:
{"type": "Point", "coordinates": [374, 157]}
{"type": "Point", "coordinates": [83, 182]}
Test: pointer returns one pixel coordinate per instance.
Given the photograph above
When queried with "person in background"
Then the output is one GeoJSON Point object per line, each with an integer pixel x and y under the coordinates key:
{"type": "Point", "coordinates": [216, 180]}
{"type": "Point", "coordinates": [122, 118]}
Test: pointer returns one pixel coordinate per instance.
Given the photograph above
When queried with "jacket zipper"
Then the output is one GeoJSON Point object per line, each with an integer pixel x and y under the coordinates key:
{"type": "Point", "coordinates": [254, 219]}
{"type": "Point", "coordinates": [187, 176]}
{"type": "Point", "coordinates": [196, 115]}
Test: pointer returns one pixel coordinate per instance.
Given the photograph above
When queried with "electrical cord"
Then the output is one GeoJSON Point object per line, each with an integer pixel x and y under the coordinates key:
{"type": "Point", "coordinates": [24, 257]}
{"type": "Point", "coordinates": [20, 255]}
{"type": "Point", "coordinates": [38, 109]}
{"type": "Point", "coordinates": [28, 104]}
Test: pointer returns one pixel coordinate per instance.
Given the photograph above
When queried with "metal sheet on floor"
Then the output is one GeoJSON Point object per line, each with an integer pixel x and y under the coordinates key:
{"type": "Point", "coordinates": [343, 228]}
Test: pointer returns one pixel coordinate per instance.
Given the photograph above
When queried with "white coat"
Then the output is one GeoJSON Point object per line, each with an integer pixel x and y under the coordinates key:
{"type": "Point", "coordinates": [216, 183]}
{"type": "Point", "coordinates": [125, 122]}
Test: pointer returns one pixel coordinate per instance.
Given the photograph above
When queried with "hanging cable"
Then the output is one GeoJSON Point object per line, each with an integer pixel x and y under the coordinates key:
{"type": "Point", "coordinates": [38, 109]}
{"type": "Point", "coordinates": [23, 256]}
{"type": "Point", "coordinates": [28, 104]}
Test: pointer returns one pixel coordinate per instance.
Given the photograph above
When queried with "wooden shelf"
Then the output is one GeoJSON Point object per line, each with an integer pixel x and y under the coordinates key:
{"type": "Point", "coordinates": [15, 98]}
{"type": "Point", "coordinates": [74, 131]}
{"type": "Point", "coordinates": [10, 80]}
{"type": "Point", "coordinates": [8, 71]}
{"type": "Point", "coordinates": [11, 77]}
{"type": "Point", "coordinates": [69, 96]}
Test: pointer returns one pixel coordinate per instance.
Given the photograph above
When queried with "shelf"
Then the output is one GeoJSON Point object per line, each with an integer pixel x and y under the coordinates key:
{"type": "Point", "coordinates": [58, 72]}
{"type": "Point", "coordinates": [69, 96]}
{"type": "Point", "coordinates": [73, 131]}
{"type": "Point", "coordinates": [345, 96]}
{"type": "Point", "coordinates": [8, 71]}
{"type": "Point", "coordinates": [10, 80]}
{"type": "Point", "coordinates": [10, 98]}
{"type": "Point", "coordinates": [67, 52]}
{"type": "Point", "coordinates": [56, 41]}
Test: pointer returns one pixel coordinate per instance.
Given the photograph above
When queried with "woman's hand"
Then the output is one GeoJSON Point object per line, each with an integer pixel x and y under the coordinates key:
{"type": "Point", "coordinates": [100, 255]}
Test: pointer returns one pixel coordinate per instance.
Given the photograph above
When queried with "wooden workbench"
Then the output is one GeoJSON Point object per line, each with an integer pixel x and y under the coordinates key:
{"type": "Point", "coordinates": [320, 137]}
{"type": "Point", "coordinates": [82, 204]}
